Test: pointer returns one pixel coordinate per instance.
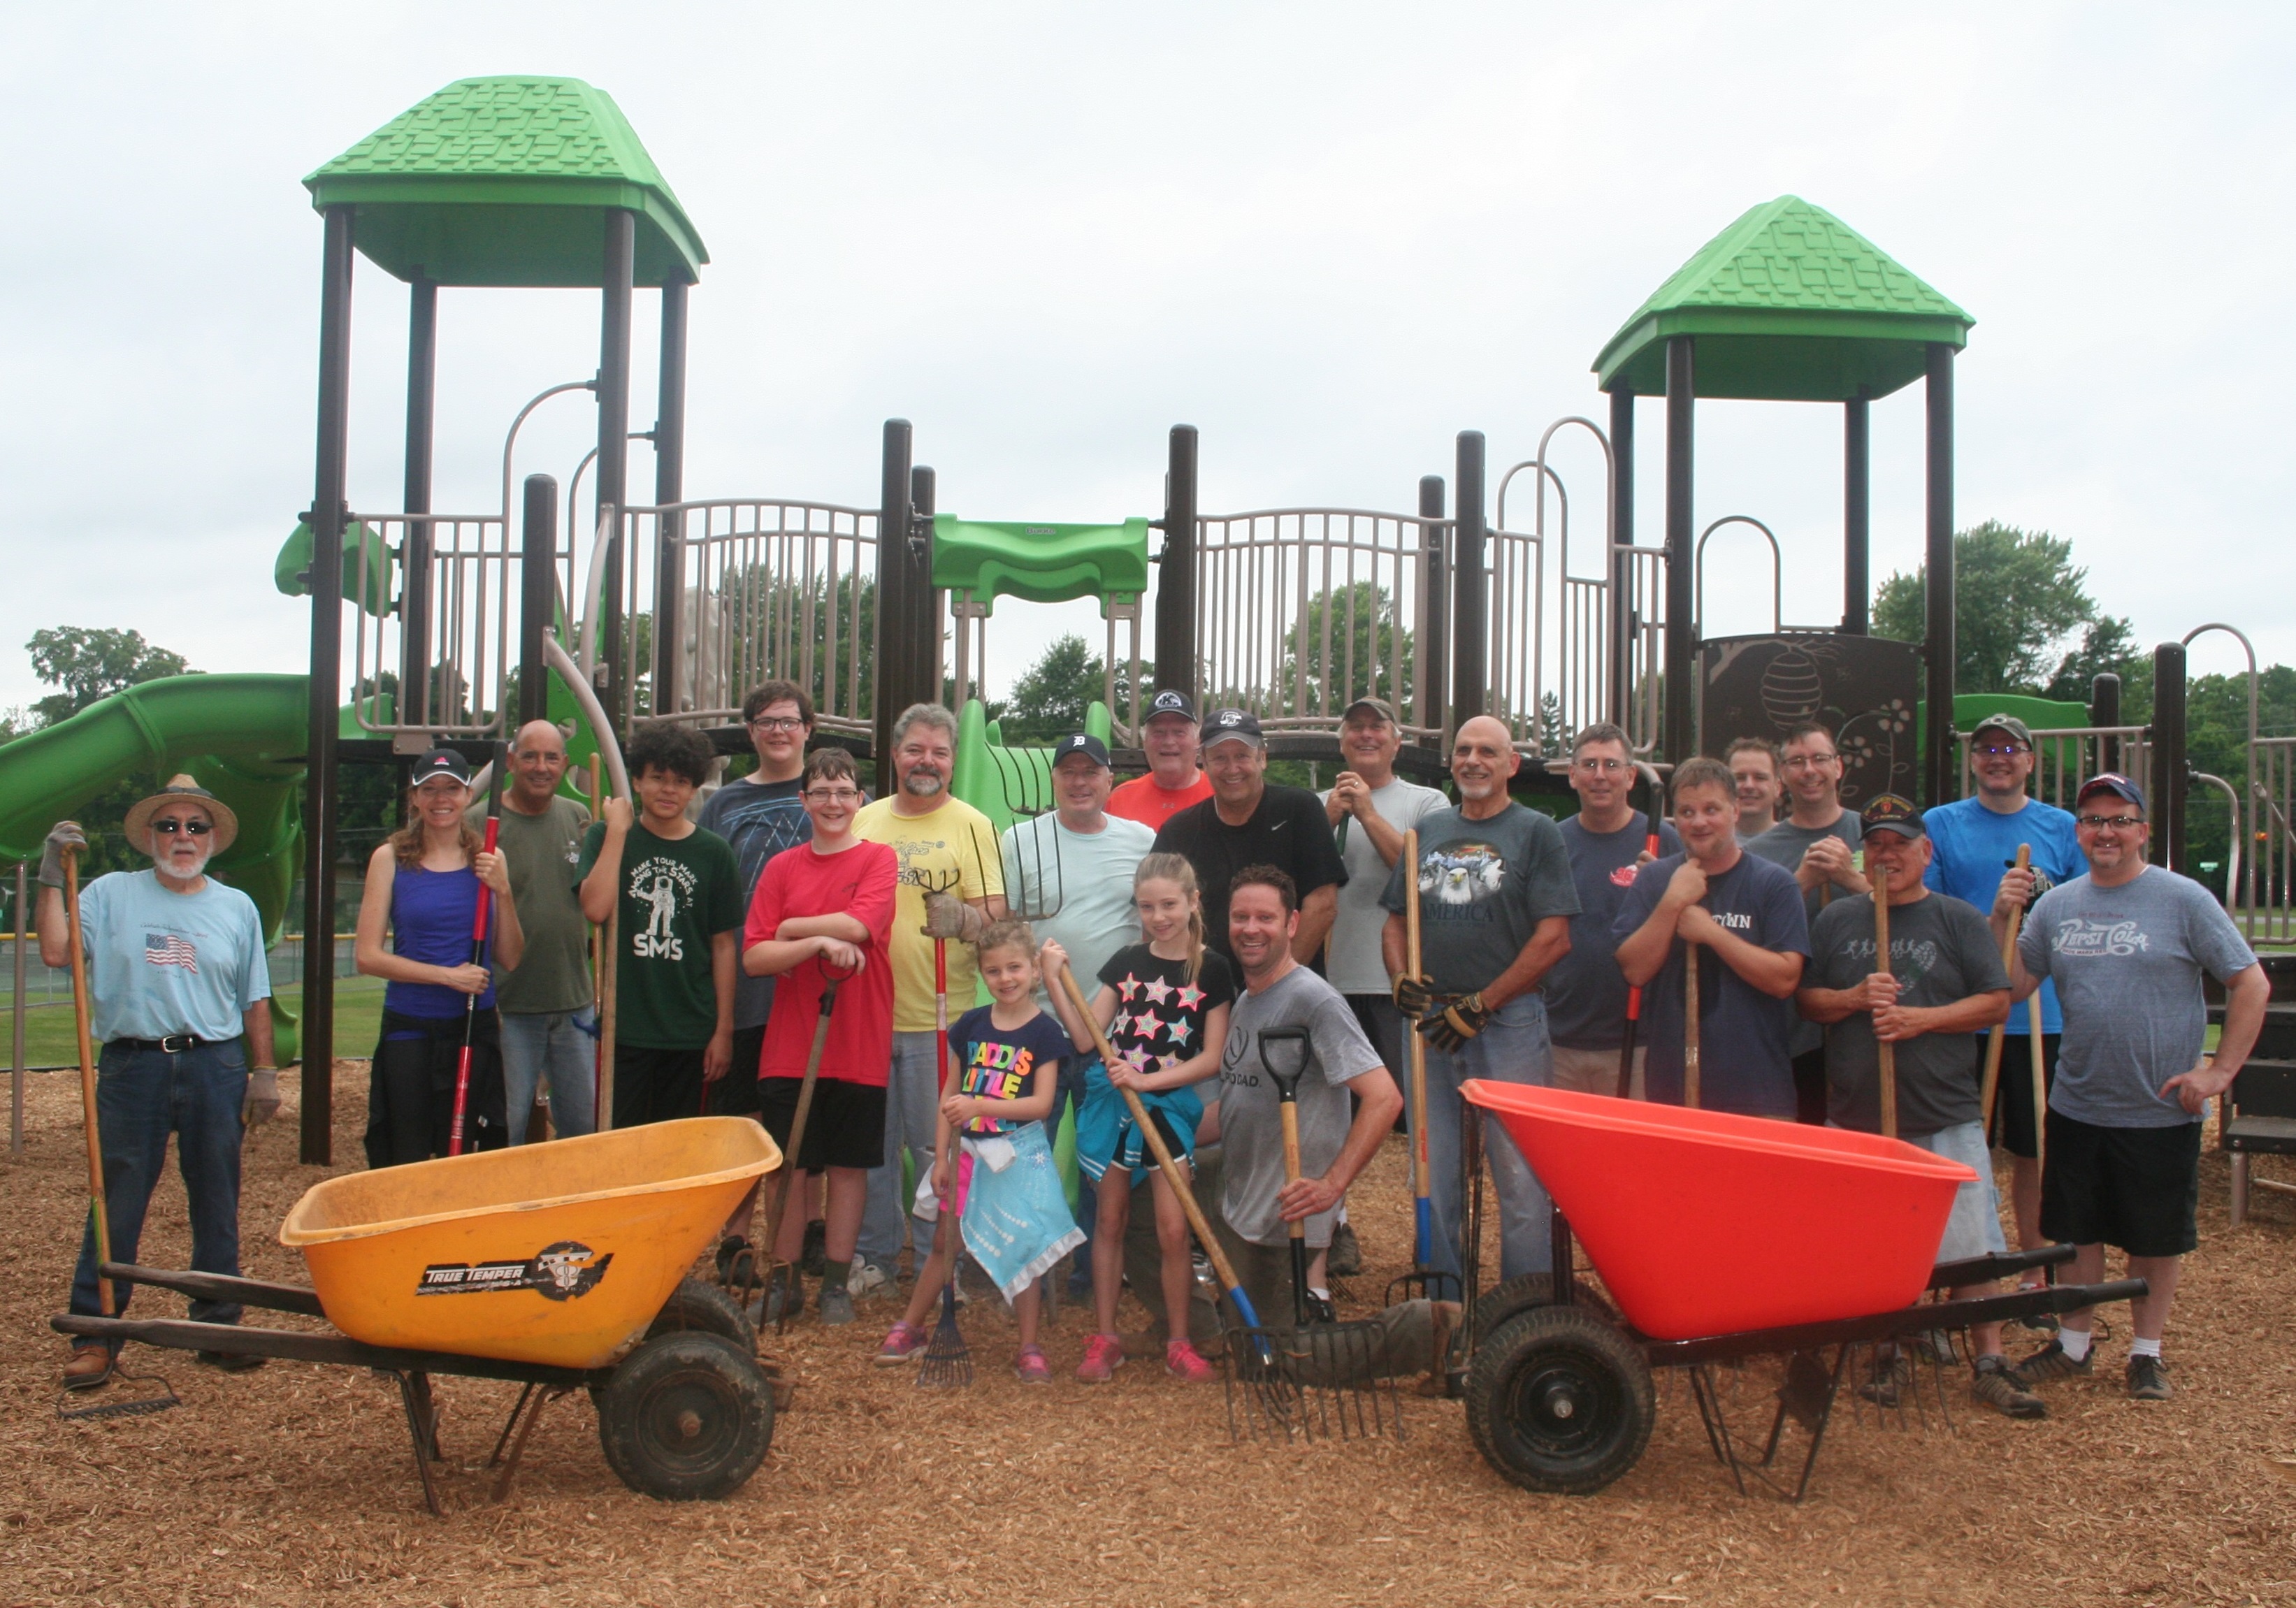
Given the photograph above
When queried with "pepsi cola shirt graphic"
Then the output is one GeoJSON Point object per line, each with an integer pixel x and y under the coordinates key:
{"type": "Point", "coordinates": [676, 894]}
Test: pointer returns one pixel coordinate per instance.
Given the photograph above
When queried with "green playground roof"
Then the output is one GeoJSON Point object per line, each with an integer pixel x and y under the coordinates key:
{"type": "Point", "coordinates": [1040, 562]}
{"type": "Point", "coordinates": [506, 182]}
{"type": "Point", "coordinates": [1788, 304]}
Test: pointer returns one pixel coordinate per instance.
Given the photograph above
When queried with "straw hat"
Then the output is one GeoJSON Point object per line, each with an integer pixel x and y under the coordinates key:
{"type": "Point", "coordinates": [139, 815]}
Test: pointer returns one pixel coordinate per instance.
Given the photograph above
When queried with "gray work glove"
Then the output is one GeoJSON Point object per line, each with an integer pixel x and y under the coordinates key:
{"type": "Point", "coordinates": [262, 1101]}
{"type": "Point", "coordinates": [62, 835]}
{"type": "Point", "coordinates": [949, 917]}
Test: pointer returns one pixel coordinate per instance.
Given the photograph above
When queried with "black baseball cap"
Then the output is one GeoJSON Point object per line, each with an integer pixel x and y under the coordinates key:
{"type": "Point", "coordinates": [2004, 723]}
{"type": "Point", "coordinates": [1377, 706]}
{"type": "Point", "coordinates": [1237, 725]}
{"type": "Point", "coordinates": [1892, 813]}
{"type": "Point", "coordinates": [2113, 782]}
{"type": "Point", "coordinates": [441, 762]}
{"type": "Point", "coordinates": [1170, 702]}
{"type": "Point", "coordinates": [1081, 742]}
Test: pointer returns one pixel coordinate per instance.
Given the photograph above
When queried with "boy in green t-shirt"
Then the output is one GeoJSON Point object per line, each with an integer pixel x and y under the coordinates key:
{"type": "Point", "coordinates": [678, 892]}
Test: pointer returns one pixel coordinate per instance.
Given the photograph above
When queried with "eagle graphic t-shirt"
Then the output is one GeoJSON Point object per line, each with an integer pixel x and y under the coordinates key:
{"type": "Point", "coordinates": [1483, 887]}
{"type": "Point", "coordinates": [676, 894]}
{"type": "Point", "coordinates": [160, 963]}
{"type": "Point", "coordinates": [2127, 963]}
{"type": "Point", "coordinates": [1002, 1063]}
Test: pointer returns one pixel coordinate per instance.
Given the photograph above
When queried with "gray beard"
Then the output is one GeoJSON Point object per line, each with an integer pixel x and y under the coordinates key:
{"type": "Point", "coordinates": [166, 866]}
{"type": "Point", "coordinates": [921, 783]}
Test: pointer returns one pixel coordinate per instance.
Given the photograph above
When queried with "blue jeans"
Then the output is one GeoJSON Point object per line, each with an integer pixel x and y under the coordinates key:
{"type": "Point", "coordinates": [1513, 1048]}
{"type": "Point", "coordinates": [912, 1117]}
{"type": "Point", "coordinates": [541, 1046]}
{"type": "Point", "coordinates": [141, 1097]}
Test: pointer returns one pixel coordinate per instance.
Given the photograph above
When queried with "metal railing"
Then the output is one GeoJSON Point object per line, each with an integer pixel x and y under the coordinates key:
{"type": "Point", "coordinates": [771, 588]}
{"type": "Point", "coordinates": [468, 622]}
{"type": "Point", "coordinates": [2064, 757]}
{"type": "Point", "coordinates": [1300, 611]}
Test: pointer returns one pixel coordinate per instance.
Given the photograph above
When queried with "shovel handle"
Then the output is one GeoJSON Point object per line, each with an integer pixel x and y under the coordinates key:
{"type": "Point", "coordinates": [96, 1210]}
{"type": "Point", "coordinates": [1422, 1180]}
{"type": "Point", "coordinates": [1690, 1026]}
{"type": "Point", "coordinates": [1889, 1052]}
{"type": "Point", "coordinates": [1993, 1041]}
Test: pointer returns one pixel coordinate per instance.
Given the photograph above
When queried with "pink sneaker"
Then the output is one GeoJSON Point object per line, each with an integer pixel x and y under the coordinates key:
{"type": "Point", "coordinates": [1183, 1361]}
{"type": "Point", "coordinates": [1103, 1354]}
{"type": "Point", "coordinates": [903, 1342]}
{"type": "Point", "coordinates": [1029, 1367]}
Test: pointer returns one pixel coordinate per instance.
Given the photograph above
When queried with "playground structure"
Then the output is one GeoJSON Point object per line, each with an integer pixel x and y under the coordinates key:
{"type": "Point", "coordinates": [1481, 598]}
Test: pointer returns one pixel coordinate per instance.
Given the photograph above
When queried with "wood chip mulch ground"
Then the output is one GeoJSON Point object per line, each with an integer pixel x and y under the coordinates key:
{"type": "Point", "coordinates": [293, 1484]}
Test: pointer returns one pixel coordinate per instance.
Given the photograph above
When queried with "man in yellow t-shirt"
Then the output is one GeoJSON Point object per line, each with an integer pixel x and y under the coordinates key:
{"type": "Point", "coordinates": [952, 884]}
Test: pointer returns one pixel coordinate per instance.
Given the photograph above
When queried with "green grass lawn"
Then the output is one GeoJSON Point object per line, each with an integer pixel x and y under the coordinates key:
{"type": "Point", "coordinates": [359, 1020]}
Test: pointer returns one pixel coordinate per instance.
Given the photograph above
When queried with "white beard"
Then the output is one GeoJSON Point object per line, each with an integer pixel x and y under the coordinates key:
{"type": "Point", "coordinates": [169, 866]}
{"type": "Point", "coordinates": [921, 783]}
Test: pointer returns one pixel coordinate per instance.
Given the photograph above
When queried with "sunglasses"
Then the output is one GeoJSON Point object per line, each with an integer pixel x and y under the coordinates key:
{"type": "Point", "coordinates": [173, 824]}
{"type": "Point", "coordinates": [2118, 823]}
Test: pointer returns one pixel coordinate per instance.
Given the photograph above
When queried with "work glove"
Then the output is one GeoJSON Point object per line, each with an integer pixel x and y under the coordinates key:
{"type": "Point", "coordinates": [62, 835]}
{"type": "Point", "coordinates": [1414, 993]}
{"type": "Point", "coordinates": [1449, 1026]}
{"type": "Point", "coordinates": [949, 917]}
{"type": "Point", "coordinates": [262, 1101]}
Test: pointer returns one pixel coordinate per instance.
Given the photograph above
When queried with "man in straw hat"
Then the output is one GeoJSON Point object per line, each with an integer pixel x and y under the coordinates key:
{"type": "Point", "coordinates": [180, 999]}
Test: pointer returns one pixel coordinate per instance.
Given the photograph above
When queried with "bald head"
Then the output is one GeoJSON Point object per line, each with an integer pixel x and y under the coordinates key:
{"type": "Point", "coordinates": [537, 765]}
{"type": "Point", "coordinates": [1483, 761]}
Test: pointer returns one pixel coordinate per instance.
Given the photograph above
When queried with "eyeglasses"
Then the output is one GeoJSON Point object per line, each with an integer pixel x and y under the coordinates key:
{"type": "Point", "coordinates": [2118, 823]}
{"type": "Point", "coordinates": [1608, 768]}
{"type": "Point", "coordinates": [833, 795]}
{"type": "Point", "coordinates": [1812, 761]}
{"type": "Point", "coordinates": [777, 723]}
{"type": "Point", "coordinates": [170, 826]}
{"type": "Point", "coordinates": [2004, 751]}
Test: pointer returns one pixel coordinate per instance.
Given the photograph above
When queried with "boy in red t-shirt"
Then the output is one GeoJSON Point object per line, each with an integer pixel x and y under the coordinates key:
{"type": "Point", "coordinates": [823, 910]}
{"type": "Point", "coordinates": [1173, 782]}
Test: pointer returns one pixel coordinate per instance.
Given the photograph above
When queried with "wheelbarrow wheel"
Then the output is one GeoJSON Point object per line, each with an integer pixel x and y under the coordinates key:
{"type": "Point", "coordinates": [686, 1417]}
{"type": "Point", "coordinates": [694, 1308]}
{"type": "Point", "coordinates": [1559, 1400]}
{"type": "Point", "coordinates": [1520, 1293]}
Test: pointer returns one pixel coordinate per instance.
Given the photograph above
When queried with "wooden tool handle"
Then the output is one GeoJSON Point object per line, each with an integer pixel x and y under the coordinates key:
{"type": "Point", "coordinates": [1291, 1111]}
{"type": "Point", "coordinates": [1690, 1025]}
{"type": "Point", "coordinates": [1154, 1140]}
{"type": "Point", "coordinates": [97, 1208]}
{"type": "Point", "coordinates": [1993, 1041]}
{"type": "Point", "coordinates": [1422, 1180]}
{"type": "Point", "coordinates": [1889, 1052]}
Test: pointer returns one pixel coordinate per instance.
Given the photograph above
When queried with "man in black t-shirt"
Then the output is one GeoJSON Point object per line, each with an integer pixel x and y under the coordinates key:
{"type": "Point", "coordinates": [1246, 822]}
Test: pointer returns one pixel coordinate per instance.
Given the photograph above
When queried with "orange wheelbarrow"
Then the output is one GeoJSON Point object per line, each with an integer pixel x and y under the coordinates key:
{"type": "Point", "coordinates": [1720, 1237]}
{"type": "Point", "coordinates": [561, 1267]}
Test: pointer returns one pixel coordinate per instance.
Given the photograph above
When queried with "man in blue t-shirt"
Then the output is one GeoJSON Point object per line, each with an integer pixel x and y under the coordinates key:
{"type": "Point", "coordinates": [180, 998]}
{"type": "Point", "coordinates": [1748, 912]}
{"type": "Point", "coordinates": [1975, 844]}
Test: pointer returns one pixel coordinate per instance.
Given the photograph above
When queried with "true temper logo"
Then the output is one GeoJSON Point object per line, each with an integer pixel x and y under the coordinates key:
{"type": "Point", "coordinates": [2084, 937]}
{"type": "Point", "coordinates": [564, 1271]}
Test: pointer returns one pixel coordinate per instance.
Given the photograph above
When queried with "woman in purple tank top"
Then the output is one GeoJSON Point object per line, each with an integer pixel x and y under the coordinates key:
{"type": "Point", "coordinates": [423, 885]}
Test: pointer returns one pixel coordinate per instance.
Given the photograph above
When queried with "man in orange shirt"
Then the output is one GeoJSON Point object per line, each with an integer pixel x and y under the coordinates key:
{"type": "Point", "coordinates": [1173, 782]}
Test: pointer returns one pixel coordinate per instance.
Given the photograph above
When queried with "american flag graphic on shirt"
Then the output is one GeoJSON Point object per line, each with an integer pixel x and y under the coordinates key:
{"type": "Point", "coordinates": [166, 949]}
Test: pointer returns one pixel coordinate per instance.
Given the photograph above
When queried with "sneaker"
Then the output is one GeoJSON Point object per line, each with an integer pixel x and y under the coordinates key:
{"type": "Point", "coordinates": [2050, 1363]}
{"type": "Point", "coordinates": [836, 1305]}
{"type": "Point", "coordinates": [2148, 1379]}
{"type": "Point", "coordinates": [1320, 1309]}
{"type": "Point", "coordinates": [867, 1279]}
{"type": "Point", "coordinates": [90, 1366]}
{"type": "Point", "coordinates": [1182, 1361]}
{"type": "Point", "coordinates": [1999, 1387]}
{"type": "Point", "coordinates": [816, 1253]}
{"type": "Point", "coordinates": [1891, 1377]}
{"type": "Point", "coordinates": [903, 1342]}
{"type": "Point", "coordinates": [2040, 1323]}
{"type": "Point", "coordinates": [229, 1362]}
{"type": "Point", "coordinates": [1344, 1258]}
{"type": "Point", "coordinates": [1103, 1354]}
{"type": "Point", "coordinates": [1029, 1367]}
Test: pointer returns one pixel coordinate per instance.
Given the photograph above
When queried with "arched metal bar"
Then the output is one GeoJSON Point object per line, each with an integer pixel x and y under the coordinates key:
{"type": "Point", "coordinates": [1778, 572]}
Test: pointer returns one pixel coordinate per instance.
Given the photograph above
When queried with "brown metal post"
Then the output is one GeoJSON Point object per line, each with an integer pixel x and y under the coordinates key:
{"type": "Point", "coordinates": [1938, 642]}
{"type": "Point", "coordinates": [2167, 783]}
{"type": "Point", "coordinates": [2105, 710]}
{"type": "Point", "coordinates": [900, 592]}
{"type": "Point", "coordinates": [1175, 569]}
{"type": "Point", "coordinates": [670, 487]}
{"type": "Point", "coordinates": [328, 511]}
{"type": "Point", "coordinates": [1681, 689]}
{"type": "Point", "coordinates": [1622, 563]}
{"type": "Point", "coordinates": [613, 439]}
{"type": "Point", "coordinates": [414, 589]}
{"type": "Point", "coordinates": [537, 574]}
{"type": "Point", "coordinates": [1430, 699]}
{"type": "Point", "coordinates": [1856, 517]}
{"type": "Point", "coordinates": [1471, 656]}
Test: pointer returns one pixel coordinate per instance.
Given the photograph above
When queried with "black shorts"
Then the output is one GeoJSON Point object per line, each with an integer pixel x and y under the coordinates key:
{"type": "Point", "coordinates": [845, 1127]}
{"type": "Point", "coordinates": [2012, 1096]}
{"type": "Point", "coordinates": [736, 1095]}
{"type": "Point", "coordinates": [2133, 1187]}
{"type": "Point", "coordinates": [656, 1085]}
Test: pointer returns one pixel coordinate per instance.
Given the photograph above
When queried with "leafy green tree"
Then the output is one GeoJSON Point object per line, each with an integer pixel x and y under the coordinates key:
{"type": "Point", "coordinates": [1049, 698]}
{"type": "Point", "coordinates": [2017, 600]}
{"type": "Point", "coordinates": [90, 663]}
{"type": "Point", "coordinates": [1346, 646]}
{"type": "Point", "coordinates": [2108, 647]}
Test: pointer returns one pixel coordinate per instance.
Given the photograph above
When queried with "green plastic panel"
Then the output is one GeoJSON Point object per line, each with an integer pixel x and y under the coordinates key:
{"type": "Point", "coordinates": [505, 181]}
{"type": "Point", "coordinates": [1788, 304]}
{"type": "Point", "coordinates": [1040, 562]}
{"type": "Point", "coordinates": [290, 570]}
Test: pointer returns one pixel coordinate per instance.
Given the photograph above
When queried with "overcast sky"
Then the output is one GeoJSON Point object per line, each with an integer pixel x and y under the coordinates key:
{"type": "Point", "coordinates": [1331, 237]}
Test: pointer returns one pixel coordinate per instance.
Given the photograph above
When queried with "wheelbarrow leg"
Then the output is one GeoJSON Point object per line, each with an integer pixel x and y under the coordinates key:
{"type": "Point", "coordinates": [415, 1395]}
{"type": "Point", "coordinates": [543, 1397]}
{"type": "Point", "coordinates": [1717, 1429]}
{"type": "Point", "coordinates": [1825, 1418]}
{"type": "Point", "coordinates": [511, 1423]}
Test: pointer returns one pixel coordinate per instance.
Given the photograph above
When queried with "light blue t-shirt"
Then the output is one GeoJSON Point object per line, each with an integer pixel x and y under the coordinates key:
{"type": "Point", "coordinates": [1972, 846]}
{"type": "Point", "coordinates": [160, 963]}
{"type": "Point", "coordinates": [1084, 878]}
{"type": "Point", "coordinates": [2129, 962]}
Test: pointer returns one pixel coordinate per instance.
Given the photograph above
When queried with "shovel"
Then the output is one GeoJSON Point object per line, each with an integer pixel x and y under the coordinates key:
{"type": "Point", "coordinates": [1425, 1281]}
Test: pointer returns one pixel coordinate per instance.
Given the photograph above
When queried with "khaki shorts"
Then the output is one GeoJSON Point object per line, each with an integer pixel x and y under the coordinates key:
{"type": "Point", "coordinates": [1594, 1071]}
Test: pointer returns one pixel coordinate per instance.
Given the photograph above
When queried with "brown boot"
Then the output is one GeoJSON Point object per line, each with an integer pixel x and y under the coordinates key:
{"type": "Point", "coordinates": [90, 1366]}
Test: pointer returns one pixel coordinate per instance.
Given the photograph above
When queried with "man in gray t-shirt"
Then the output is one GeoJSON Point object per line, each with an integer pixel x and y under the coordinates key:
{"type": "Point", "coordinates": [2127, 946]}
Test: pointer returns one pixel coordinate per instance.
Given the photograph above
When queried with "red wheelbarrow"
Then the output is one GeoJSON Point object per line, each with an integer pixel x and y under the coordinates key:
{"type": "Point", "coordinates": [1720, 1237]}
